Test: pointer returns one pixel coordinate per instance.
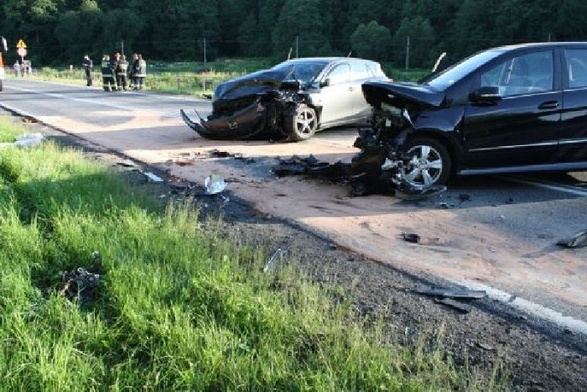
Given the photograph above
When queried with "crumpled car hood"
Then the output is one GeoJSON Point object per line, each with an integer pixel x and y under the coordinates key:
{"type": "Point", "coordinates": [398, 93]}
{"type": "Point", "coordinates": [256, 83]}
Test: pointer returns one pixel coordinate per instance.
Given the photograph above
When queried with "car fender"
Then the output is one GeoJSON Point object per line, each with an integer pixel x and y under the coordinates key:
{"type": "Point", "coordinates": [445, 126]}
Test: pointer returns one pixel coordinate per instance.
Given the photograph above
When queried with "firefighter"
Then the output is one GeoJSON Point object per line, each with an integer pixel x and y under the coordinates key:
{"type": "Point", "coordinates": [122, 72]}
{"type": "Point", "coordinates": [108, 81]}
{"type": "Point", "coordinates": [88, 65]}
{"type": "Point", "coordinates": [142, 72]}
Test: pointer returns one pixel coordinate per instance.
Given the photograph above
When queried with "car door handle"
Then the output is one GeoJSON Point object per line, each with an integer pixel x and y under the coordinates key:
{"type": "Point", "coordinates": [548, 105]}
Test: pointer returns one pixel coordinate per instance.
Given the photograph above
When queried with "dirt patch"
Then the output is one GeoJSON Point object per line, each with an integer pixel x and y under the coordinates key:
{"type": "Point", "coordinates": [536, 356]}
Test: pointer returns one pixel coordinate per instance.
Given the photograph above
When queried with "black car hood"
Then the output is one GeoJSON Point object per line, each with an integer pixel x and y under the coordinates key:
{"type": "Point", "coordinates": [398, 93]}
{"type": "Point", "coordinates": [255, 83]}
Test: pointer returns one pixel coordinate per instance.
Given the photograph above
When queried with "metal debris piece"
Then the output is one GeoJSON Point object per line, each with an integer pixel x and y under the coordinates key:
{"type": "Point", "coordinates": [152, 177]}
{"type": "Point", "coordinates": [464, 197]}
{"type": "Point", "coordinates": [277, 256]}
{"type": "Point", "coordinates": [127, 163]}
{"type": "Point", "coordinates": [219, 154]}
{"type": "Point", "coordinates": [410, 237]}
{"type": "Point", "coordinates": [29, 140]}
{"type": "Point", "coordinates": [460, 306]}
{"type": "Point", "coordinates": [453, 293]}
{"type": "Point", "coordinates": [578, 240]}
{"type": "Point", "coordinates": [79, 283]}
{"type": "Point", "coordinates": [214, 184]}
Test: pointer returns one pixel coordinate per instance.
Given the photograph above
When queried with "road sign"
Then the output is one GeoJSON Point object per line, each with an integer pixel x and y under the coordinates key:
{"type": "Point", "coordinates": [21, 52]}
{"type": "Point", "coordinates": [21, 44]}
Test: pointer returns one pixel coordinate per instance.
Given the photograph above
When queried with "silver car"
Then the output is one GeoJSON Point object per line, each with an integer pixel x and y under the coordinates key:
{"type": "Point", "coordinates": [292, 101]}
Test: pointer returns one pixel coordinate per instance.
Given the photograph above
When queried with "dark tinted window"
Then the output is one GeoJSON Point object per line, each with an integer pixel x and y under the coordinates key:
{"type": "Point", "coordinates": [524, 74]}
{"type": "Point", "coordinates": [577, 67]}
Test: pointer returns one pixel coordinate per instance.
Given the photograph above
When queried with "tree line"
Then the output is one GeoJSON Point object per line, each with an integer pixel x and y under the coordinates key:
{"type": "Point", "coordinates": [403, 33]}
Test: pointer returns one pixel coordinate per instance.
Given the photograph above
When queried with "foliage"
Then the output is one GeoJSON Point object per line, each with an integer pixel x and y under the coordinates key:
{"type": "Point", "coordinates": [62, 31]}
{"type": "Point", "coordinates": [363, 38]}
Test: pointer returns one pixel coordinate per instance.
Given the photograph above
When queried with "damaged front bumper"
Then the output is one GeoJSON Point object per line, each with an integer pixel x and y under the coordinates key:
{"type": "Point", "coordinates": [243, 124]}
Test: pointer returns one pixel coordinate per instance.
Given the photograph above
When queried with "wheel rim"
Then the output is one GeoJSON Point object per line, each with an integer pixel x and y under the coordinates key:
{"type": "Point", "coordinates": [306, 122]}
{"type": "Point", "coordinates": [424, 167]}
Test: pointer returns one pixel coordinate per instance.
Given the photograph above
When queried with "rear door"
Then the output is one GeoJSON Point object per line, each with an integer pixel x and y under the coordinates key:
{"type": "Point", "coordinates": [522, 128]}
{"type": "Point", "coordinates": [573, 133]}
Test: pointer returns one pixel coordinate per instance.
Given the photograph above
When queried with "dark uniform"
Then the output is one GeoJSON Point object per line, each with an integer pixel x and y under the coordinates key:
{"type": "Point", "coordinates": [122, 72]}
{"type": "Point", "coordinates": [88, 65]}
{"type": "Point", "coordinates": [108, 81]}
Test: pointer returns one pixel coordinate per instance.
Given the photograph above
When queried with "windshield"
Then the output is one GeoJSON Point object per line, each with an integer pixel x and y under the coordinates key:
{"type": "Point", "coordinates": [446, 78]}
{"type": "Point", "coordinates": [305, 72]}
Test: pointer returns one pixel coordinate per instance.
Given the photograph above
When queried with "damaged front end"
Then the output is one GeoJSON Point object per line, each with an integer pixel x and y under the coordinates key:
{"type": "Point", "coordinates": [382, 163]}
{"type": "Point", "coordinates": [251, 106]}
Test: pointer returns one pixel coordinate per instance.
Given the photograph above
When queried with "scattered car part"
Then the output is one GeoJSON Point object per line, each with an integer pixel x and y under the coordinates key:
{"type": "Point", "coordinates": [453, 293]}
{"type": "Point", "coordinates": [460, 306]}
{"type": "Point", "coordinates": [214, 184]}
{"type": "Point", "coordinates": [411, 237]}
{"type": "Point", "coordinates": [277, 256]}
{"type": "Point", "coordinates": [578, 240]}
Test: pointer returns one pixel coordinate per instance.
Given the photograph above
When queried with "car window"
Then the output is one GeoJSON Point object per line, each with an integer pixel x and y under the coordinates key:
{"type": "Point", "coordinates": [359, 71]}
{"type": "Point", "coordinates": [525, 74]}
{"type": "Point", "coordinates": [339, 74]}
{"type": "Point", "coordinates": [577, 67]}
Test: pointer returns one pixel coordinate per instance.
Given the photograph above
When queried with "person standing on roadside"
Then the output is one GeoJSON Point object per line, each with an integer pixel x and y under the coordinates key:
{"type": "Point", "coordinates": [122, 72]}
{"type": "Point", "coordinates": [142, 72]}
{"type": "Point", "coordinates": [88, 65]}
{"type": "Point", "coordinates": [134, 70]}
{"type": "Point", "coordinates": [108, 82]}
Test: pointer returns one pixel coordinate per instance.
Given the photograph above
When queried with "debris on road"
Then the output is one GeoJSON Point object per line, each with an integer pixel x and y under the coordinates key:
{"type": "Point", "coordinates": [410, 237]}
{"type": "Point", "coordinates": [127, 163]}
{"type": "Point", "coordinates": [214, 184]}
{"type": "Point", "coordinates": [453, 293]}
{"type": "Point", "coordinates": [578, 240]}
{"type": "Point", "coordinates": [455, 298]}
{"type": "Point", "coordinates": [26, 140]}
{"type": "Point", "coordinates": [79, 283]}
{"type": "Point", "coordinates": [460, 306]}
{"type": "Point", "coordinates": [152, 177]}
{"type": "Point", "coordinates": [277, 256]}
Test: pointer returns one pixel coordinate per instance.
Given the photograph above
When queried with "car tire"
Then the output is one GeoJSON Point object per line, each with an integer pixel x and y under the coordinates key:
{"type": "Point", "coordinates": [302, 124]}
{"type": "Point", "coordinates": [429, 163]}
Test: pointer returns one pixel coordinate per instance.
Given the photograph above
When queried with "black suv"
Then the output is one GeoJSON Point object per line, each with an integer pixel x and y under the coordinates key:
{"type": "Point", "coordinates": [516, 108]}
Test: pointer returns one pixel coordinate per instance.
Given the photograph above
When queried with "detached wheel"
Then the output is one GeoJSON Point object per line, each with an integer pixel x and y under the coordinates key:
{"type": "Point", "coordinates": [429, 162]}
{"type": "Point", "coordinates": [302, 124]}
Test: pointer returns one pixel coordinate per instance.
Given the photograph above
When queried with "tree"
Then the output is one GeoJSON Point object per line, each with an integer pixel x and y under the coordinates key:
{"type": "Point", "coordinates": [299, 28]}
{"type": "Point", "coordinates": [421, 39]}
{"type": "Point", "coordinates": [372, 41]}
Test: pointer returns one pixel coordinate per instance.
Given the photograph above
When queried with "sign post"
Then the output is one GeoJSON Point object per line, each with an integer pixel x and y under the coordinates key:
{"type": "Point", "coordinates": [21, 50]}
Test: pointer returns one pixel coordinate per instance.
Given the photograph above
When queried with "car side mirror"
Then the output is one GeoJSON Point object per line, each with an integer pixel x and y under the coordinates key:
{"type": "Point", "coordinates": [325, 82]}
{"type": "Point", "coordinates": [486, 94]}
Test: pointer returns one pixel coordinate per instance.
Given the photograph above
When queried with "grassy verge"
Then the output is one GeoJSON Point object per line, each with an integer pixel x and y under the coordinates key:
{"type": "Point", "coordinates": [177, 306]}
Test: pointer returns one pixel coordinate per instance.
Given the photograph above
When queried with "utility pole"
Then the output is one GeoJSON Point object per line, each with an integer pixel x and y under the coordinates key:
{"type": "Point", "coordinates": [407, 52]}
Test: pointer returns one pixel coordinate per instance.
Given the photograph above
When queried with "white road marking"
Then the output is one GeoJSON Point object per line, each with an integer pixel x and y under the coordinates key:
{"type": "Point", "coordinates": [541, 184]}
{"type": "Point", "coordinates": [530, 308]}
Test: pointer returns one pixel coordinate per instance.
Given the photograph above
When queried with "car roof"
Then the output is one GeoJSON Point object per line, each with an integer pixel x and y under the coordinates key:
{"type": "Point", "coordinates": [325, 59]}
{"type": "Point", "coordinates": [531, 45]}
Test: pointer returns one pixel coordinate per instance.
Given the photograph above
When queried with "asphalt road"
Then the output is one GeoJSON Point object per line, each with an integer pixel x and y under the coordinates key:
{"type": "Point", "coordinates": [496, 233]}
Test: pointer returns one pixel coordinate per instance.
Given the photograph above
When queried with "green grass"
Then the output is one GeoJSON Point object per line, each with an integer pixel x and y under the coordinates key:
{"type": "Point", "coordinates": [179, 306]}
